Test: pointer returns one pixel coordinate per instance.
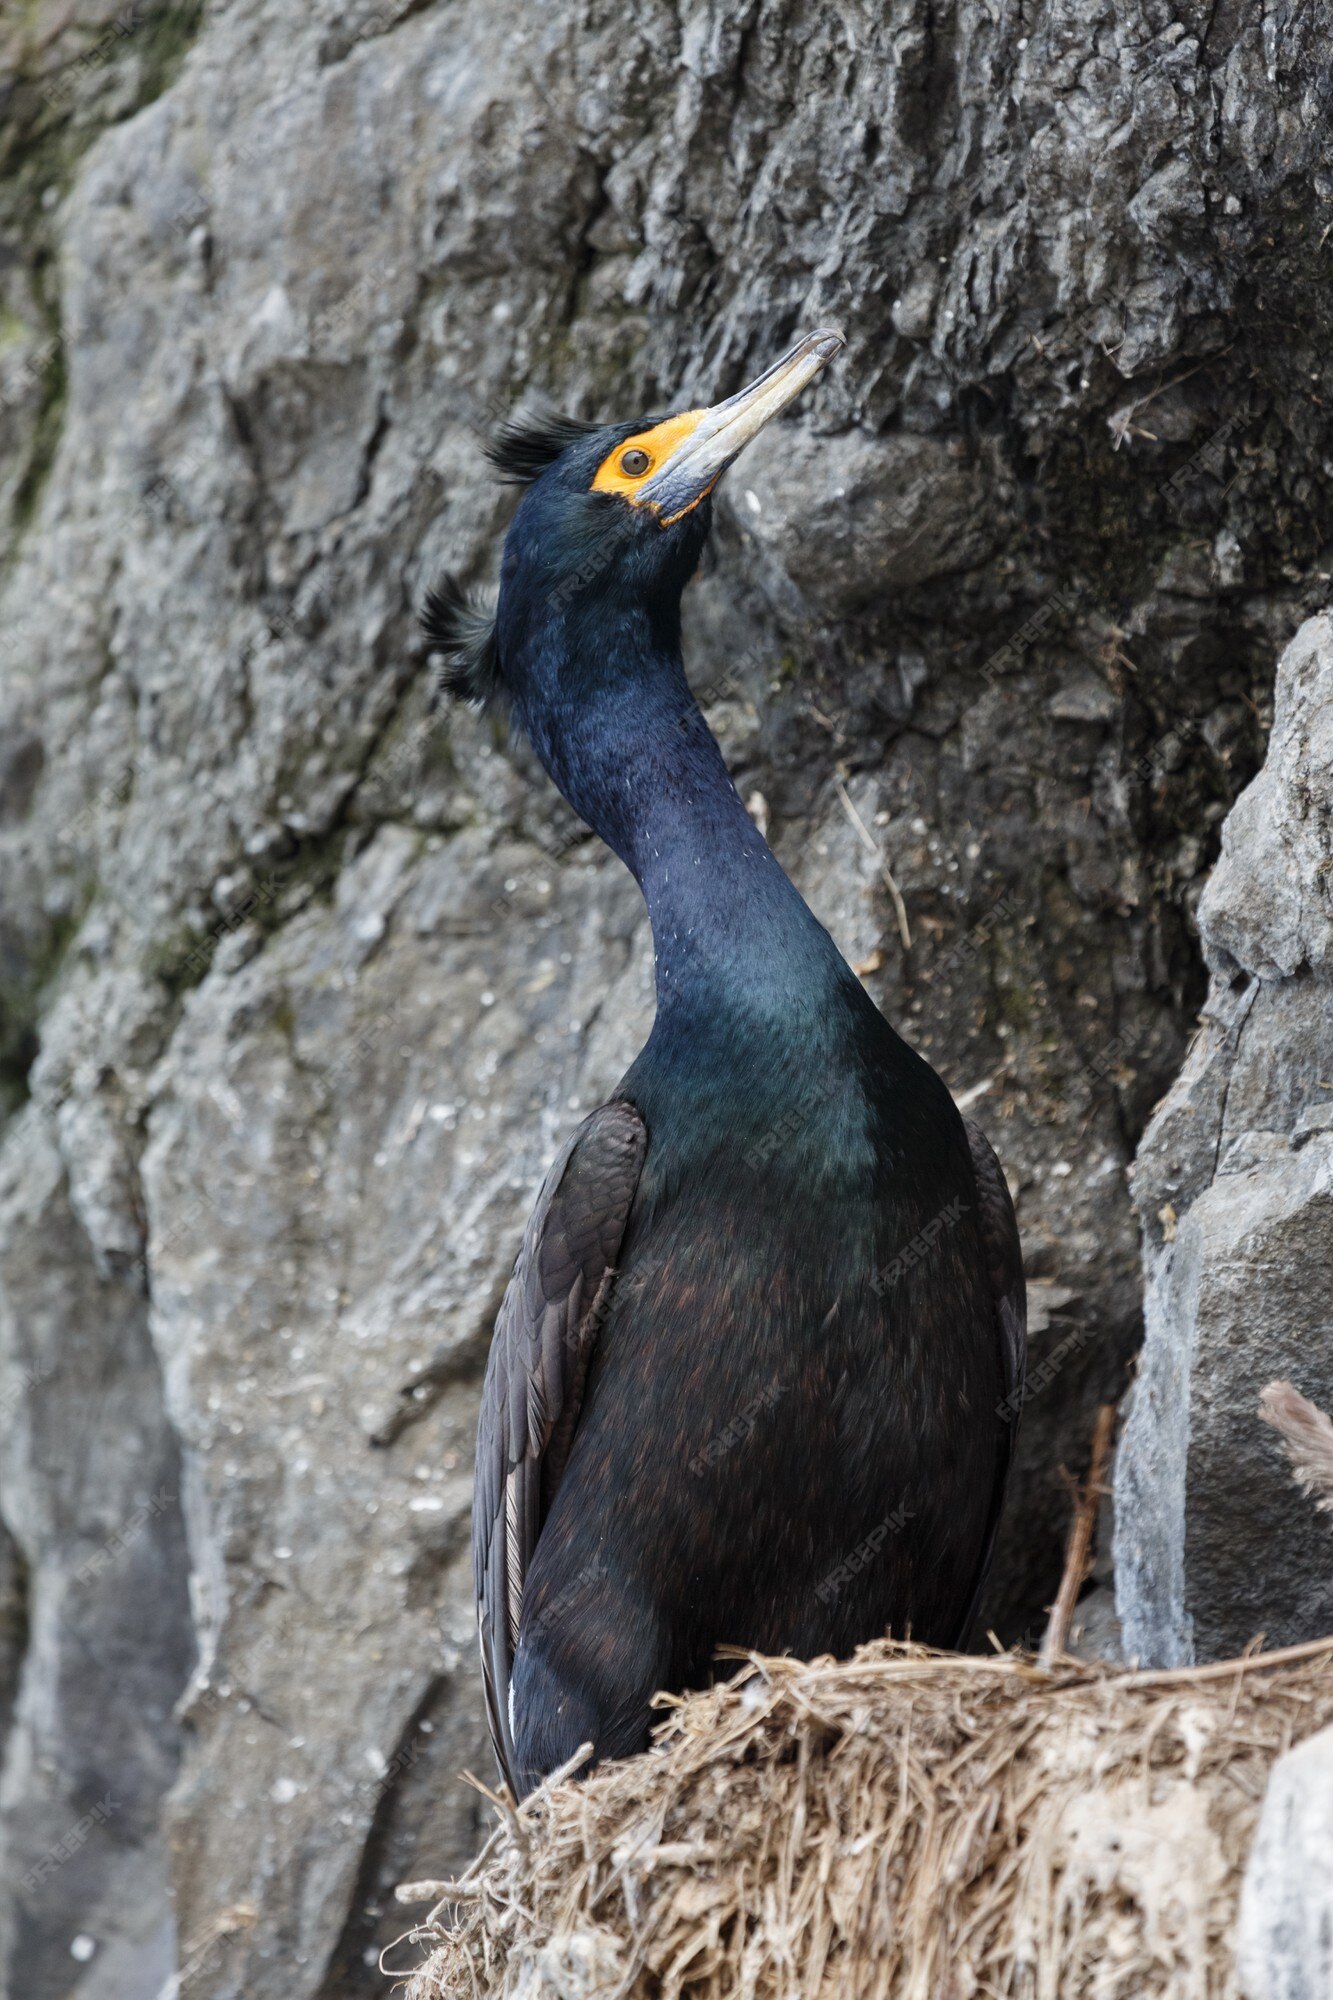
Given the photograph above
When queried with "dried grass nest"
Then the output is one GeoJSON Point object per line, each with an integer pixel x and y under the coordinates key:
{"type": "Point", "coordinates": [905, 1824]}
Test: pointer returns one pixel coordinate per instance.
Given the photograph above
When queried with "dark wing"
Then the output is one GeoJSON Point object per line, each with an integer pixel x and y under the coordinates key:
{"type": "Point", "coordinates": [544, 1336]}
{"type": "Point", "coordinates": [1004, 1269]}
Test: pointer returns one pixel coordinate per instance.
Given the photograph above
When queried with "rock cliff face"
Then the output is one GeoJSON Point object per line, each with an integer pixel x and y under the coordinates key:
{"type": "Point", "coordinates": [302, 980]}
{"type": "Point", "coordinates": [1234, 1181]}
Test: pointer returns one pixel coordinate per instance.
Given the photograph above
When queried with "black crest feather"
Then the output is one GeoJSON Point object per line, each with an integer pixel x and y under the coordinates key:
{"type": "Point", "coordinates": [530, 440]}
{"type": "Point", "coordinates": [464, 634]}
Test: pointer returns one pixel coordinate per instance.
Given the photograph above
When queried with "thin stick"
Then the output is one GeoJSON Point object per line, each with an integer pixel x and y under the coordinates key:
{"type": "Point", "coordinates": [1217, 1670]}
{"type": "Point", "coordinates": [1079, 1546]}
{"type": "Point", "coordinates": [872, 846]}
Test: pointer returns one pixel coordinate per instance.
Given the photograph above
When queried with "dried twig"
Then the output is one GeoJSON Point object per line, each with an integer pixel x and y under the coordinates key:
{"type": "Point", "coordinates": [1078, 1549]}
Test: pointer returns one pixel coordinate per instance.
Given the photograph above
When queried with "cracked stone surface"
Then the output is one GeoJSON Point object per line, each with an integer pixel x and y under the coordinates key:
{"type": "Point", "coordinates": [1234, 1183]}
{"type": "Point", "coordinates": [302, 980]}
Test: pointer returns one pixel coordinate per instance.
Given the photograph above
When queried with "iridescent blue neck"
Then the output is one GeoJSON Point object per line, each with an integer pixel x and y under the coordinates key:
{"type": "Point", "coordinates": [623, 739]}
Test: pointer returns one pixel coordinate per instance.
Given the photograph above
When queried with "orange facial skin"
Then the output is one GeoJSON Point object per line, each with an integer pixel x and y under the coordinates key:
{"type": "Point", "coordinates": [657, 444]}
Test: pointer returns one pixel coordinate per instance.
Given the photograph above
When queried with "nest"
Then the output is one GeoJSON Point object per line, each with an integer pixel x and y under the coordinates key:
{"type": "Point", "coordinates": [905, 1825]}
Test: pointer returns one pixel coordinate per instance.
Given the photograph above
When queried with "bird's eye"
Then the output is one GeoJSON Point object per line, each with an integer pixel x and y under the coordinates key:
{"type": "Point", "coordinates": [634, 462]}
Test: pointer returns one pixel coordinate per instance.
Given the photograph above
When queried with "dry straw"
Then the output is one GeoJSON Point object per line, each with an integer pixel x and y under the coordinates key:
{"type": "Point", "coordinates": [904, 1825]}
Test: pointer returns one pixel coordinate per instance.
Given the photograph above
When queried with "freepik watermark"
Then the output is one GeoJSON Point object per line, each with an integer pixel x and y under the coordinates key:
{"type": "Point", "coordinates": [737, 1430]}
{"type": "Point", "coordinates": [405, 753]}
{"type": "Point", "coordinates": [291, 623]}
{"type": "Point", "coordinates": [61, 89]}
{"type": "Point", "coordinates": [260, 896]}
{"type": "Point", "coordinates": [728, 684]}
{"type": "Point", "coordinates": [1207, 463]}
{"type": "Point", "coordinates": [909, 519]}
{"type": "Point", "coordinates": [365, 1042]}
{"type": "Point", "coordinates": [390, 1770]}
{"type": "Point", "coordinates": [1010, 1407]}
{"type": "Point", "coordinates": [593, 1572]}
{"type": "Point", "coordinates": [1102, 1067]}
{"type": "Point", "coordinates": [70, 1843]}
{"type": "Point", "coordinates": [920, 1246]}
{"type": "Point", "coordinates": [865, 1552]}
{"type": "Point", "coordinates": [1010, 655]}
{"type": "Point", "coordinates": [206, 1952]}
{"type": "Point", "coordinates": [1164, 752]}
{"type": "Point", "coordinates": [213, 1700]}
{"type": "Point", "coordinates": [974, 941]}
{"type": "Point", "coordinates": [120, 1538]}
{"type": "Point", "coordinates": [109, 798]}
{"type": "Point", "coordinates": [29, 376]}
{"type": "Point", "coordinates": [760, 1151]}
{"type": "Point", "coordinates": [621, 529]}
{"type": "Point", "coordinates": [32, 1378]}
{"type": "Point", "coordinates": [155, 503]}
{"type": "Point", "coordinates": [344, 312]}
{"type": "Point", "coordinates": [199, 206]}
{"type": "Point", "coordinates": [534, 877]}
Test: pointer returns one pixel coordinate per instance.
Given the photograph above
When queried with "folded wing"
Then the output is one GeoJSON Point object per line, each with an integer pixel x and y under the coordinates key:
{"type": "Point", "coordinates": [1004, 1268]}
{"type": "Point", "coordinates": [544, 1336]}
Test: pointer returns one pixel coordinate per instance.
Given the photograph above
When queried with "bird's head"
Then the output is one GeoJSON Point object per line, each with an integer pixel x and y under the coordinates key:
{"type": "Point", "coordinates": [604, 540]}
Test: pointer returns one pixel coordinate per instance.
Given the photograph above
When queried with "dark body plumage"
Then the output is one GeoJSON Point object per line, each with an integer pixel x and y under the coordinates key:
{"type": "Point", "coordinates": [753, 1377]}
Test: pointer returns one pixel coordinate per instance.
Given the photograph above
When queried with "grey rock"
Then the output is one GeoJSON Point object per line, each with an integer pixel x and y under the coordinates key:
{"type": "Point", "coordinates": [1284, 1940]}
{"type": "Point", "coordinates": [303, 980]}
{"type": "Point", "coordinates": [1085, 697]}
{"type": "Point", "coordinates": [90, 1486]}
{"type": "Point", "coordinates": [914, 311]}
{"type": "Point", "coordinates": [846, 519]}
{"type": "Point", "coordinates": [1269, 905]}
{"type": "Point", "coordinates": [1234, 1183]}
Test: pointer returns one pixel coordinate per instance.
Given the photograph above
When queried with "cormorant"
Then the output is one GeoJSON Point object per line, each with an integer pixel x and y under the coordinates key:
{"type": "Point", "coordinates": [755, 1374]}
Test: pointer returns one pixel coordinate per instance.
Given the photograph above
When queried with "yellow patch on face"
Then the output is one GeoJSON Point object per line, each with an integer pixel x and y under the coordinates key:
{"type": "Point", "coordinates": [626, 472]}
